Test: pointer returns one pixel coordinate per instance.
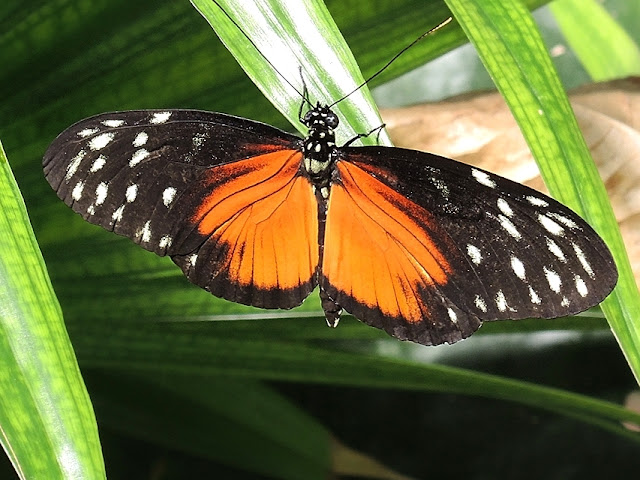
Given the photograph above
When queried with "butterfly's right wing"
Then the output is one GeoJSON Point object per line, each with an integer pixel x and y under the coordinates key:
{"type": "Point", "coordinates": [426, 247]}
{"type": "Point", "coordinates": [221, 195]}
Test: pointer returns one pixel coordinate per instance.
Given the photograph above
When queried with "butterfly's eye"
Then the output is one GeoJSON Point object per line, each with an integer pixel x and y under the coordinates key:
{"type": "Point", "coordinates": [309, 117]}
{"type": "Point", "coordinates": [331, 119]}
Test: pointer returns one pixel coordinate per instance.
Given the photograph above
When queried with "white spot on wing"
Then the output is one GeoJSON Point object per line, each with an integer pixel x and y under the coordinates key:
{"type": "Point", "coordinates": [100, 141]}
{"type": "Point", "coordinates": [567, 222]}
{"type": "Point", "coordinates": [145, 232]}
{"type": "Point", "coordinates": [501, 301]}
{"type": "Point", "coordinates": [533, 296]}
{"type": "Point", "coordinates": [138, 156]}
{"type": "Point", "coordinates": [140, 139]}
{"type": "Point", "coordinates": [518, 268]}
{"type": "Point", "coordinates": [537, 202]}
{"type": "Point", "coordinates": [480, 304]}
{"type": "Point", "coordinates": [554, 280]}
{"type": "Point", "coordinates": [509, 227]}
{"type": "Point", "coordinates": [550, 226]}
{"type": "Point", "coordinates": [113, 123]}
{"type": "Point", "coordinates": [76, 194]}
{"type": "Point", "coordinates": [555, 249]}
{"type": "Point", "coordinates": [504, 207]}
{"type": "Point", "coordinates": [74, 164]}
{"type": "Point", "coordinates": [98, 163]}
{"type": "Point", "coordinates": [193, 259]}
{"type": "Point", "coordinates": [168, 195]}
{"type": "Point", "coordinates": [474, 253]}
{"type": "Point", "coordinates": [452, 315]}
{"type": "Point", "coordinates": [131, 193]}
{"type": "Point", "coordinates": [88, 131]}
{"type": "Point", "coordinates": [117, 215]}
{"type": "Point", "coordinates": [583, 260]}
{"type": "Point", "coordinates": [101, 193]}
{"type": "Point", "coordinates": [483, 178]}
{"type": "Point", "coordinates": [581, 287]}
{"type": "Point", "coordinates": [165, 241]}
{"type": "Point", "coordinates": [160, 117]}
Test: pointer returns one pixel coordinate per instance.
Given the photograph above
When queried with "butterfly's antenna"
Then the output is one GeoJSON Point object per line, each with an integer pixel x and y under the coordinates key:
{"type": "Point", "coordinates": [437, 27]}
{"type": "Point", "coordinates": [304, 98]}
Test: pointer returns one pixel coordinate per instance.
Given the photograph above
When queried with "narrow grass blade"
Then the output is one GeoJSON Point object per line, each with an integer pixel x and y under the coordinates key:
{"type": "Point", "coordinates": [280, 44]}
{"type": "Point", "coordinates": [605, 49]}
{"type": "Point", "coordinates": [153, 349]}
{"type": "Point", "coordinates": [47, 425]}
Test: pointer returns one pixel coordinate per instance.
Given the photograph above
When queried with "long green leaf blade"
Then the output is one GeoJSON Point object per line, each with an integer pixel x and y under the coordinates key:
{"type": "Point", "coordinates": [47, 424]}
{"type": "Point", "coordinates": [605, 49]}
{"type": "Point", "coordinates": [175, 348]}
{"type": "Point", "coordinates": [290, 40]}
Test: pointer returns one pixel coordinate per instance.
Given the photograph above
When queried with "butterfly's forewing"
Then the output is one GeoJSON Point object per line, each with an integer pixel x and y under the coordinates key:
{"type": "Point", "coordinates": [221, 195]}
{"type": "Point", "coordinates": [436, 246]}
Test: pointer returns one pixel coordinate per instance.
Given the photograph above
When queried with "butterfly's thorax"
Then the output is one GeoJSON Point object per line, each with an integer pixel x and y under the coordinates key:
{"type": "Point", "coordinates": [319, 147]}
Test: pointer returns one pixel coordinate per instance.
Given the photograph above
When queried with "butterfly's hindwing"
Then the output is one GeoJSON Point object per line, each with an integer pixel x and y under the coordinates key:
{"type": "Point", "coordinates": [197, 186]}
{"type": "Point", "coordinates": [466, 246]}
{"type": "Point", "coordinates": [252, 236]}
{"type": "Point", "coordinates": [399, 260]}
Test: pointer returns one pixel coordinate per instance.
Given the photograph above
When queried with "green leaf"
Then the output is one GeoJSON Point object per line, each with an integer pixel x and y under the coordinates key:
{"type": "Point", "coordinates": [603, 46]}
{"type": "Point", "coordinates": [233, 421]}
{"type": "Point", "coordinates": [47, 424]}
{"type": "Point", "coordinates": [180, 349]}
{"type": "Point", "coordinates": [277, 42]}
{"type": "Point", "coordinates": [510, 46]}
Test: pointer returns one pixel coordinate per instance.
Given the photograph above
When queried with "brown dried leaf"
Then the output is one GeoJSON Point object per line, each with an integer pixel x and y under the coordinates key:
{"type": "Point", "coordinates": [632, 402]}
{"type": "Point", "coordinates": [346, 461]}
{"type": "Point", "coordinates": [479, 129]}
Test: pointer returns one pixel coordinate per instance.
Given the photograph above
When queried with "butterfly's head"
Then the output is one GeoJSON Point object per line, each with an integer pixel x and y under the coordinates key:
{"type": "Point", "coordinates": [320, 115]}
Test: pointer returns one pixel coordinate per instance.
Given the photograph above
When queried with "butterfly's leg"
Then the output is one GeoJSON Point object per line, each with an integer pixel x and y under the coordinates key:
{"type": "Point", "coordinates": [305, 94]}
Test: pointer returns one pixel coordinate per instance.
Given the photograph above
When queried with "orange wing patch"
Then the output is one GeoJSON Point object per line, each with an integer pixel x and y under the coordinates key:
{"type": "Point", "coordinates": [377, 247]}
{"type": "Point", "coordinates": [259, 225]}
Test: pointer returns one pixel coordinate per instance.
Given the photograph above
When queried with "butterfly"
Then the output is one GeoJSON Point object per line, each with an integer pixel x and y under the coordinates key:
{"type": "Point", "coordinates": [421, 246]}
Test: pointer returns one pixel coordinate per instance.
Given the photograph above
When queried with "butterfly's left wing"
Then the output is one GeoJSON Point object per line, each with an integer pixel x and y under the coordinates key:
{"type": "Point", "coordinates": [222, 195]}
{"type": "Point", "coordinates": [427, 248]}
